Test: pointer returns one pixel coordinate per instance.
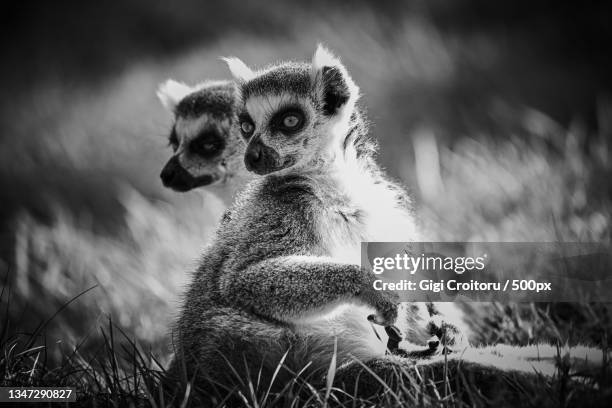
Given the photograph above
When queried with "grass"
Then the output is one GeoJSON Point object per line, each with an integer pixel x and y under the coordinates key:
{"type": "Point", "coordinates": [119, 373]}
{"type": "Point", "coordinates": [54, 262]}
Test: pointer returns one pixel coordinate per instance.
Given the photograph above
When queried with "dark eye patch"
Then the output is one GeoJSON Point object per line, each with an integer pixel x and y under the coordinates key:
{"type": "Point", "coordinates": [173, 140]}
{"type": "Point", "coordinates": [283, 120]}
{"type": "Point", "coordinates": [208, 144]}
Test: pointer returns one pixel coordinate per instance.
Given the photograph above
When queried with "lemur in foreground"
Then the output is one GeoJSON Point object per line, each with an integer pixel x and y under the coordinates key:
{"type": "Point", "coordinates": [282, 274]}
{"type": "Point", "coordinates": [336, 158]}
{"type": "Point", "coordinates": [208, 150]}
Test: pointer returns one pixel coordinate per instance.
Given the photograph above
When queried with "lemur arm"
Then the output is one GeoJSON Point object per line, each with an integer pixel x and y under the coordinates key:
{"type": "Point", "coordinates": [300, 286]}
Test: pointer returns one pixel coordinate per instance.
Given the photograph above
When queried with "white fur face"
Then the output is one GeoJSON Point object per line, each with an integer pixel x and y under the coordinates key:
{"type": "Point", "coordinates": [206, 143]}
{"type": "Point", "coordinates": [283, 146]}
{"type": "Point", "coordinates": [294, 115]}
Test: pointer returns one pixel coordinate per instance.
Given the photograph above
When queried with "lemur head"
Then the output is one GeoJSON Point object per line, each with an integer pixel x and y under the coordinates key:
{"type": "Point", "coordinates": [205, 139]}
{"type": "Point", "coordinates": [294, 114]}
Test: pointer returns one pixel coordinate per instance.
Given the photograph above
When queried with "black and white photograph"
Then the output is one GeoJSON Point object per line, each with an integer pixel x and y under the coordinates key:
{"type": "Point", "coordinates": [278, 203]}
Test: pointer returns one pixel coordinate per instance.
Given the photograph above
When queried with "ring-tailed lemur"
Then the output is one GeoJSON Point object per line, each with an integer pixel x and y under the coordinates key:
{"type": "Point", "coordinates": [338, 159]}
{"type": "Point", "coordinates": [275, 277]}
{"type": "Point", "coordinates": [208, 150]}
{"type": "Point", "coordinates": [282, 273]}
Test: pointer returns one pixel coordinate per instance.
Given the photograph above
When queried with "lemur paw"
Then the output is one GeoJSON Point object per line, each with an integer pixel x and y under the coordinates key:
{"type": "Point", "coordinates": [386, 305]}
{"type": "Point", "coordinates": [446, 337]}
{"type": "Point", "coordinates": [386, 312]}
{"type": "Point", "coordinates": [401, 348]}
{"type": "Point", "coordinates": [384, 316]}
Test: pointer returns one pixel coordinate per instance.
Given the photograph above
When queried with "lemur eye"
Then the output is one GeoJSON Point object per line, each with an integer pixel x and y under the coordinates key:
{"type": "Point", "coordinates": [207, 145]}
{"type": "Point", "coordinates": [247, 127]}
{"type": "Point", "coordinates": [291, 121]}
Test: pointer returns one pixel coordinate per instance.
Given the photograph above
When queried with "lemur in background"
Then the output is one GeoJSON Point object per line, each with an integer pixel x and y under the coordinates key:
{"type": "Point", "coordinates": [208, 150]}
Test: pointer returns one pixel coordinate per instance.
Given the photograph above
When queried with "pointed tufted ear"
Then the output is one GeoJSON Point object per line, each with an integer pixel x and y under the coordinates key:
{"type": "Point", "coordinates": [240, 71]}
{"type": "Point", "coordinates": [171, 92]}
{"type": "Point", "coordinates": [335, 85]}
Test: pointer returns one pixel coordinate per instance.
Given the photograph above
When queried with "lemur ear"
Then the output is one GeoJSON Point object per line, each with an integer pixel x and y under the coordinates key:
{"type": "Point", "coordinates": [336, 85]}
{"type": "Point", "coordinates": [171, 92]}
{"type": "Point", "coordinates": [240, 71]}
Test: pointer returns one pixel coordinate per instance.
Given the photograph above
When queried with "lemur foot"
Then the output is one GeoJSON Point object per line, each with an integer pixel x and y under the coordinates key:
{"type": "Point", "coordinates": [407, 350]}
{"type": "Point", "coordinates": [433, 342]}
{"type": "Point", "coordinates": [446, 337]}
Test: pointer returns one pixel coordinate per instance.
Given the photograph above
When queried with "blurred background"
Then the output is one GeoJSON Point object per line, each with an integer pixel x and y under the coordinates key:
{"type": "Point", "coordinates": [497, 115]}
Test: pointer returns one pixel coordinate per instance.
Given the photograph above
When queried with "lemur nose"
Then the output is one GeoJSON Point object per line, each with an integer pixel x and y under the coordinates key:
{"type": "Point", "coordinates": [253, 156]}
{"type": "Point", "coordinates": [168, 172]}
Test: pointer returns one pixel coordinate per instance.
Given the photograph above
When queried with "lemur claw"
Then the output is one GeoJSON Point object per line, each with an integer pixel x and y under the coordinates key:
{"type": "Point", "coordinates": [376, 319]}
{"type": "Point", "coordinates": [386, 318]}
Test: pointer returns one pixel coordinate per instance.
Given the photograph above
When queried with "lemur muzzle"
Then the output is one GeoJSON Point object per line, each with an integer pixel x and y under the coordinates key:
{"type": "Point", "coordinates": [260, 158]}
{"type": "Point", "coordinates": [174, 176]}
